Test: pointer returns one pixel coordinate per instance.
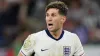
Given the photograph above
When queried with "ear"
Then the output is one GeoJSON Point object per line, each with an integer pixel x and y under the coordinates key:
{"type": "Point", "coordinates": [63, 19]}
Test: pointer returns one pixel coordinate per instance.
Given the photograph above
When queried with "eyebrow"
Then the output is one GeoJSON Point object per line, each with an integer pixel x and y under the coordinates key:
{"type": "Point", "coordinates": [51, 13]}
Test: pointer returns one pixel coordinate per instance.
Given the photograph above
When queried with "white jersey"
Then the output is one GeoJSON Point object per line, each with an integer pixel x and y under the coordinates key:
{"type": "Point", "coordinates": [44, 44]}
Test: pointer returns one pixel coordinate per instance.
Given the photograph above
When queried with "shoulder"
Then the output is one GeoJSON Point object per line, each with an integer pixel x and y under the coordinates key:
{"type": "Point", "coordinates": [73, 37]}
{"type": "Point", "coordinates": [36, 35]}
{"type": "Point", "coordinates": [70, 34]}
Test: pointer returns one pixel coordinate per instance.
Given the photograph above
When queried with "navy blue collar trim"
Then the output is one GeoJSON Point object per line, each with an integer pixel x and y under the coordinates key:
{"type": "Point", "coordinates": [48, 33]}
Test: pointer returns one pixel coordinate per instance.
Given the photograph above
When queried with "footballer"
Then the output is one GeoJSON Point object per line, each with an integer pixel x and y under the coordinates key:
{"type": "Point", "coordinates": [54, 41]}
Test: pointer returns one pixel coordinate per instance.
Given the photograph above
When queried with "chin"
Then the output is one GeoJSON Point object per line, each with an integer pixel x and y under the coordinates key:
{"type": "Point", "coordinates": [51, 30]}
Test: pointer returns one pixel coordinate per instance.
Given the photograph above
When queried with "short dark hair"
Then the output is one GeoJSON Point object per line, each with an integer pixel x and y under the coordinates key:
{"type": "Point", "coordinates": [59, 5]}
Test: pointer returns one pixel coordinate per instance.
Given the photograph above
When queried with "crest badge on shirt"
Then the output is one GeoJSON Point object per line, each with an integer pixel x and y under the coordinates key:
{"type": "Point", "coordinates": [66, 50]}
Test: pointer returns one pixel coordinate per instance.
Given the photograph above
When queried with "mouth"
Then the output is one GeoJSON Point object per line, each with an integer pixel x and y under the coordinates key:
{"type": "Point", "coordinates": [50, 24]}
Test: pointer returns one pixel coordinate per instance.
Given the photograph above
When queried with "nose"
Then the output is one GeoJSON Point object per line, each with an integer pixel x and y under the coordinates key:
{"type": "Point", "coordinates": [49, 18]}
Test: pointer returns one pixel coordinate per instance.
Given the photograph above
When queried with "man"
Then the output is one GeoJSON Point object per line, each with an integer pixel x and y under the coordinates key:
{"type": "Point", "coordinates": [54, 41]}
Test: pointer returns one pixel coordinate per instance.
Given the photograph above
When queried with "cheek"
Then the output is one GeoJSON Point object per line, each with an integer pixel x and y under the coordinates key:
{"type": "Point", "coordinates": [46, 20]}
{"type": "Point", "coordinates": [57, 22]}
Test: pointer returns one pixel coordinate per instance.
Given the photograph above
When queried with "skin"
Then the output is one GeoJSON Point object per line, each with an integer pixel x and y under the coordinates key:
{"type": "Point", "coordinates": [54, 17]}
{"type": "Point", "coordinates": [57, 20]}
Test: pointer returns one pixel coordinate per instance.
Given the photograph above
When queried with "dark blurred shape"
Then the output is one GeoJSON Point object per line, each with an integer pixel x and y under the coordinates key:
{"type": "Point", "coordinates": [8, 22]}
{"type": "Point", "coordinates": [31, 7]}
{"type": "Point", "coordinates": [9, 17]}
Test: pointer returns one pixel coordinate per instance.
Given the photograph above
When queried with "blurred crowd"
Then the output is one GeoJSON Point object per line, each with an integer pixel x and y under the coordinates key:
{"type": "Point", "coordinates": [19, 18]}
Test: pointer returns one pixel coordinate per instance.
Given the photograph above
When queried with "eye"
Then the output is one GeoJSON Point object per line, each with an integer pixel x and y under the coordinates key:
{"type": "Point", "coordinates": [53, 14]}
{"type": "Point", "coordinates": [47, 14]}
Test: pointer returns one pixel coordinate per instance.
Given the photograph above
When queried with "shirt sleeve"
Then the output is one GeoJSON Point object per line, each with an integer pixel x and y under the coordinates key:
{"type": "Point", "coordinates": [78, 47]}
{"type": "Point", "coordinates": [28, 46]}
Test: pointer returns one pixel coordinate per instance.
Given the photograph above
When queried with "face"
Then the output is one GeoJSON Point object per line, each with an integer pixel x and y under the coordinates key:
{"type": "Point", "coordinates": [54, 20]}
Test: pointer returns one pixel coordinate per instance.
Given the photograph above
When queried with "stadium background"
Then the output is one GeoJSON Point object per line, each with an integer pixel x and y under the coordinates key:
{"type": "Point", "coordinates": [19, 18]}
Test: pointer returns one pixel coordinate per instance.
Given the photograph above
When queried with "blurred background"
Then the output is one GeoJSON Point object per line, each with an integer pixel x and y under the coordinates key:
{"type": "Point", "coordinates": [19, 18]}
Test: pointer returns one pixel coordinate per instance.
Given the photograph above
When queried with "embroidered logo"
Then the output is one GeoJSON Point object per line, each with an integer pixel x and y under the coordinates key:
{"type": "Point", "coordinates": [27, 44]}
{"type": "Point", "coordinates": [66, 50]}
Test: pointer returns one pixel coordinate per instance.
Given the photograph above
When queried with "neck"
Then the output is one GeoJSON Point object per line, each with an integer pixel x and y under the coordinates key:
{"type": "Point", "coordinates": [56, 34]}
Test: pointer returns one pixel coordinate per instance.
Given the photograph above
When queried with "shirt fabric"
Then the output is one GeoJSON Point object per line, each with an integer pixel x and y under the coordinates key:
{"type": "Point", "coordinates": [44, 44]}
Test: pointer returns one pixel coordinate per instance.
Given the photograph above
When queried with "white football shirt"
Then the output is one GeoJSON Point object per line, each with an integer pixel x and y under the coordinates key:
{"type": "Point", "coordinates": [44, 44]}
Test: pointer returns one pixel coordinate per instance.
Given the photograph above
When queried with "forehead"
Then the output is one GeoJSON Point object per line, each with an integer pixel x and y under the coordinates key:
{"type": "Point", "coordinates": [52, 10]}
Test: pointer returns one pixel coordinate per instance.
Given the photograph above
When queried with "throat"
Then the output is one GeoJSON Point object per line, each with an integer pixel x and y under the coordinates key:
{"type": "Point", "coordinates": [56, 34]}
